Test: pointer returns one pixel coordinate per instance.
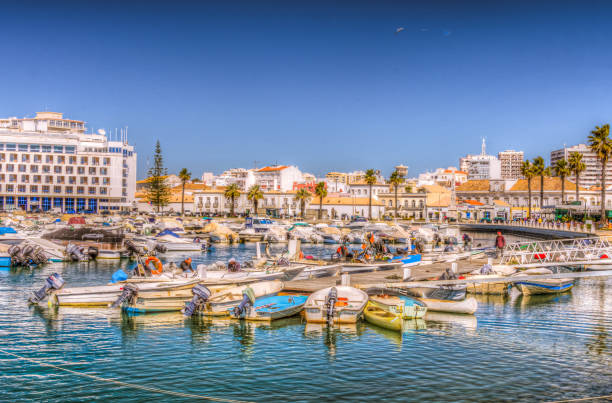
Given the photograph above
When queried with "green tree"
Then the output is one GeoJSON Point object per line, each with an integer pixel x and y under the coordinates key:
{"type": "Point", "coordinates": [184, 176]}
{"type": "Point", "coordinates": [254, 195]}
{"type": "Point", "coordinates": [396, 179]}
{"type": "Point", "coordinates": [577, 167]}
{"type": "Point", "coordinates": [302, 196]}
{"type": "Point", "coordinates": [232, 192]}
{"type": "Point", "coordinates": [370, 179]}
{"type": "Point", "coordinates": [157, 190]}
{"type": "Point", "coordinates": [321, 192]}
{"type": "Point", "coordinates": [562, 170]}
{"type": "Point", "coordinates": [540, 169]}
{"type": "Point", "coordinates": [601, 145]}
{"type": "Point", "coordinates": [528, 172]}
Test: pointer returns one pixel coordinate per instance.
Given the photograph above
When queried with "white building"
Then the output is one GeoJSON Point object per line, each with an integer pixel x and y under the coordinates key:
{"type": "Point", "coordinates": [481, 166]}
{"type": "Point", "coordinates": [511, 162]}
{"type": "Point", "coordinates": [208, 178]}
{"type": "Point", "coordinates": [242, 177]}
{"type": "Point", "coordinates": [592, 175]}
{"type": "Point", "coordinates": [443, 177]}
{"type": "Point", "coordinates": [362, 189]}
{"type": "Point", "coordinates": [50, 162]}
{"type": "Point", "coordinates": [279, 177]}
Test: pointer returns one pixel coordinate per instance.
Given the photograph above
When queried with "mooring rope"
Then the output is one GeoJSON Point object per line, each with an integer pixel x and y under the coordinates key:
{"type": "Point", "coordinates": [583, 399]}
{"type": "Point", "coordinates": [125, 384]}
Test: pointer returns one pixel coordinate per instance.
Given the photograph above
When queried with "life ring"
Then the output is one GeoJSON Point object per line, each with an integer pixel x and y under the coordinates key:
{"type": "Point", "coordinates": [156, 263]}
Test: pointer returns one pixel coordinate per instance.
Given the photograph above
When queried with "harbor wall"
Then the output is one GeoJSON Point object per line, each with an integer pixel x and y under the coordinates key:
{"type": "Point", "coordinates": [519, 231]}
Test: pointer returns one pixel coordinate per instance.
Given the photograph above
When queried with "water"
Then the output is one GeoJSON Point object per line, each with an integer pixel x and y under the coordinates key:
{"type": "Point", "coordinates": [522, 349]}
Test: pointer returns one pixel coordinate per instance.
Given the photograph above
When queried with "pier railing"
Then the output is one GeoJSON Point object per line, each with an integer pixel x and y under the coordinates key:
{"type": "Point", "coordinates": [592, 251]}
{"type": "Point", "coordinates": [558, 226]}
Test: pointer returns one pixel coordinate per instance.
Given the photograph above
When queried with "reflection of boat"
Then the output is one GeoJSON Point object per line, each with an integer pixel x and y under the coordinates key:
{"type": "Point", "coordinates": [316, 329]}
{"type": "Point", "coordinates": [341, 304]}
{"type": "Point", "coordinates": [466, 321]}
{"type": "Point", "coordinates": [273, 307]}
{"type": "Point", "coordinates": [542, 299]}
{"type": "Point", "coordinates": [542, 286]}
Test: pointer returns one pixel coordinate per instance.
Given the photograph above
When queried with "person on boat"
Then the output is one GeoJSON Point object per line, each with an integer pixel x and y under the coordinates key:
{"type": "Point", "coordinates": [233, 265]}
{"type": "Point", "coordinates": [500, 244]}
{"type": "Point", "coordinates": [267, 250]}
{"type": "Point", "coordinates": [186, 266]}
{"type": "Point", "coordinates": [448, 275]}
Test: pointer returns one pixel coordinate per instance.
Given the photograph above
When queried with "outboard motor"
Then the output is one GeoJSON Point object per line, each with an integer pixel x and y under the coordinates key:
{"type": "Point", "coordinates": [75, 252]}
{"type": "Point", "coordinates": [160, 248]}
{"type": "Point", "coordinates": [330, 304]}
{"type": "Point", "coordinates": [248, 300]}
{"type": "Point", "coordinates": [128, 294]}
{"type": "Point", "coordinates": [133, 249]}
{"type": "Point", "coordinates": [200, 295]}
{"type": "Point", "coordinates": [38, 256]}
{"type": "Point", "coordinates": [53, 282]}
{"type": "Point", "coordinates": [16, 257]}
{"type": "Point", "coordinates": [486, 269]}
{"type": "Point", "coordinates": [92, 251]}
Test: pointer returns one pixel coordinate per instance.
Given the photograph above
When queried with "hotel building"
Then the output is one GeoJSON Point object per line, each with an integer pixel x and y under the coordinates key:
{"type": "Point", "coordinates": [49, 162]}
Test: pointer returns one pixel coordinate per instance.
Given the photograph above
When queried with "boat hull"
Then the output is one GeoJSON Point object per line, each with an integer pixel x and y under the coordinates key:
{"type": "Point", "coordinates": [467, 306]}
{"type": "Point", "coordinates": [347, 310]}
{"type": "Point", "coordinates": [275, 307]}
{"type": "Point", "coordinates": [536, 287]}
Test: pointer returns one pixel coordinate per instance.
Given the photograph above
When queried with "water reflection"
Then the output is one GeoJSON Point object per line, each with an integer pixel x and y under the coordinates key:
{"type": "Point", "coordinates": [446, 321]}
{"type": "Point", "coordinates": [598, 345]}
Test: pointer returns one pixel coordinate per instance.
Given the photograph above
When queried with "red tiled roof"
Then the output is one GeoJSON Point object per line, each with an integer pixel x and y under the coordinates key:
{"type": "Point", "coordinates": [272, 169]}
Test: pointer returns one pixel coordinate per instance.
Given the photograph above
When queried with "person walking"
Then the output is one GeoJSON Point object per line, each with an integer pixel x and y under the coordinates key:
{"type": "Point", "coordinates": [500, 244]}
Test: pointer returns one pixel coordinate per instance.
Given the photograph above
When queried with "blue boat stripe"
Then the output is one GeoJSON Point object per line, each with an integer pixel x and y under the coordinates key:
{"type": "Point", "coordinates": [549, 287]}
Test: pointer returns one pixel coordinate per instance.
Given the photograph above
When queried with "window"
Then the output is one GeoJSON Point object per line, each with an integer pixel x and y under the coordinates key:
{"type": "Point", "coordinates": [103, 171]}
{"type": "Point", "coordinates": [84, 160]}
{"type": "Point", "coordinates": [61, 159]}
{"type": "Point", "coordinates": [58, 149]}
{"type": "Point", "coordinates": [10, 189]}
{"type": "Point", "coordinates": [10, 168]}
{"type": "Point", "coordinates": [81, 170]}
{"type": "Point", "coordinates": [57, 169]}
{"type": "Point", "coordinates": [23, 147]}
{"type": "Point", "coordinates": [106, 161]}
{"type": "Point", "coordinates": [25, 157]}
{"type": "Point", "coordinates": [13, 157]}
{"type": "Point", "coordinates": [72, 180]}
{"type": "Point", "coordinates": [37, 158]}
{"type": "Point", "coordinates": [60, 179]}
{"type": "Point", "coordinates": [92, 170]}
{"type": "Point", "coordinates": [36, 179]}
{"type": "Point", "coordinates": [68, 190]}
{"type": "Point", "coordinates": [25, 179]}
{"type": "Point", "coordinates": [34, 148]}
{"type": "Point", "coordinates": [69, 170]}
{"type": "Point", "coordinates": [22, 168]}
{"type": "Point", "coordinates": [46, 148]}
{"type": "Point", "coordinates": [48, 179]}
{"type": "Point", "coordinates": [83, 180]}
{"type": "Point", "coordinates": [72, 160]}
{"type": "Point", "coordinates": [11, 147]}
{"type": "Point", "coordinates": [80, 190]}
{"type": "Point", "coordinates": [69, 149]}
{"type": "Point", "coordinates": [95, 181]}
{"type": "Point", "coordinates": [21, 189]}
{"type": "Point", "coordinates": [105, 181]}
{"type": "Point", "coordinates": [12, 178]}
{"type": "Point", "coordinates": [34, 168]}
{"type": "Point", "coordinates": [57, 189]}
{"type": "Point", "coordinates": [92, 191]}
{"type": "Point", "coordinates": [102, 191]}
{"type": "Point", "coordinates": [33, 189]}
{"type": "Point", "coordinates": [46, 169]}
{"type": "Point", "coordinates": [45, 189]}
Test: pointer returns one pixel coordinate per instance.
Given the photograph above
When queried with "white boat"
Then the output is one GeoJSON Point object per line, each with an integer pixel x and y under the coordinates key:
{"type": "Point", "coordinates": [340, 304]}
{"type": "Point", "coordinates": [466, 306]}
{"type": "Point", "coordinates": [108, 254]}
{"type": "Point", "coordinates": [317, 271]}
{"type": "Point", "coordinates": [221, 303]}
{"type": "Point", "coordinates": [285, 273]}
{"type": "Point", "coordinates": [104, 295]}
{"type": "Point", "coordinates": [542, 286]}
{"type": "Point", "coordinates": [368, 267]}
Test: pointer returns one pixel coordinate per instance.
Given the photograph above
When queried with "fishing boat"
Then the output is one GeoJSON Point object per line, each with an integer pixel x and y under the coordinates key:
{"type": "Point", "coordinates": [105, 295]}
{"type": "Point", "coordinates": [394, 302]}
{"type": "Point", "coordinates": [341, 304]}
{"type": "Point", "coordinates": [542, 286]}
{"type": "Point", "coordinates": [220, 304]}
{"type": "Point", "coordinates": [272, 307]}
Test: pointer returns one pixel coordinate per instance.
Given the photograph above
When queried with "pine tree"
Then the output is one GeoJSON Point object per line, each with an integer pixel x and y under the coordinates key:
{"type": "Point", "coordinates": [158, 192]}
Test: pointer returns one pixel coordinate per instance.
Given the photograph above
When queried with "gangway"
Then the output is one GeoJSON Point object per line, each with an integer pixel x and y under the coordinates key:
{"type": "Point", "coordinates": [595, 251]}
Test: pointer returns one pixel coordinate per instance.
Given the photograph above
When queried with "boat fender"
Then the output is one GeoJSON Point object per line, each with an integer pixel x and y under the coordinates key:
{"type": "Point", "coordinates": [200, 295]}
{"type": "Point", "coordinates": [126, 297]}
{"type": "Point", "coordinates": [119, 275]}
{"type": "Point", "coordinates": [604, 256]}
{"type": "Point", "coordinates": [53, 282]}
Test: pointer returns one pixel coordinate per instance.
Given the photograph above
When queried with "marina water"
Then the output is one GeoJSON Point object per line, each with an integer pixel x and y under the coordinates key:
{"type": "Point", "coordinates": [537, 348]}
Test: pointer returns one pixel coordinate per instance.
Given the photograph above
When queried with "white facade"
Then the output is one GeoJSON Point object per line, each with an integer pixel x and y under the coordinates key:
{"type": "Point", "coordinates": [443, 177]}
{"type": "Point", "coordinates": [242, 177]}
{"type": "Point", "coordinates": [481, 166]}
{"type": "Point", "coordinates": [208, 178]}
{"type": "Point", "coordinates": [278, 178]}
{"type": "Point", "coordinates": [50, 162]}
{"type": "Point", "coordinates": [363, 189]}
{"type": "Point", "coordinates": [592, 175]}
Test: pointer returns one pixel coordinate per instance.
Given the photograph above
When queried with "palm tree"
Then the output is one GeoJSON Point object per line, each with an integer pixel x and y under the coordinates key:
{"type": "Point", "coordinates": [577, 167]}
{"type": "Point", "coordinates": [370, 179]}
{"type": "Point", "coordinates": [231, 192]}
{"type": "Point", "coordinates": [302, 195]}
{"type": "Point", "coordinates": [528, 172]}
{"type": "Point", "coordinates": [396, 179]}
{"type": "Point", "coordinates": [321, 192]}
{"type": "Point", "coordinates": [254, 195]}
{"type": "Point", "coordinates": [601, 145]}
{"type": "Point", "coordinates": [540, 169]}
{"type": "Point", "coordinates": [562, 170]}
{"type": "Point", "coordinates": [408, 189]}
{"type": "Point", "coordinates": [184, 176]}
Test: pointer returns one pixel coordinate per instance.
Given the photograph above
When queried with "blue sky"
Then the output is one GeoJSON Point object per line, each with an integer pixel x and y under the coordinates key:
{"type": "Point", "coordinates": [322, 85]}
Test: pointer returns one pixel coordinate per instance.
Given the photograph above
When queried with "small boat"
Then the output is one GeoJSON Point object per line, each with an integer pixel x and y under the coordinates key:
{"type": "Point", "coordinates": [341, 304]}
{"type": "Point", "coordinates": [391, 301]}
{"type": "Point", "coordinates": [467, 306]}
{"type": "Point", "coordinates": [542, 286]}
{"type": "Point", "coordinates": [317, 271]}
{"type": "Point", "coordinates": [220, 304]}
{"type": "Point", "coordinates": [407, 261]}
{"type": "Point", "coordinates": [164, 298]}
{"type": "Point", "coordinates": [382, 318]}
{"type": "Point", "coordinates": [108, 254]}
{"type": "Point", "coordinates": [272, 307]}
{"type": "Point", "coordinates": [454, 292]}
{"type": "Point", "coordinates": [285, 273]}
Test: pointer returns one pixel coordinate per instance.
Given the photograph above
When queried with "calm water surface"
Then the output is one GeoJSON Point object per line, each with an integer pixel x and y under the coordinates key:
{"type": "Point", "coordinates": [517, 349]}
